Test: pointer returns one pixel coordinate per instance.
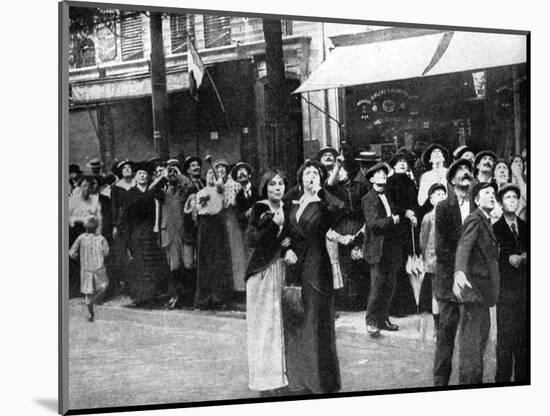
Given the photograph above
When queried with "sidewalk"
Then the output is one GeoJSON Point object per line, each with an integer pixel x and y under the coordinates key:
{"type": "Point", "coordinates": [134, 356]}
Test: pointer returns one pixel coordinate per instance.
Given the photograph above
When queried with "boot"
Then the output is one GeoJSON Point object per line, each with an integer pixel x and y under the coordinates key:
{"type": "Point", "coordinates": [90, 312]}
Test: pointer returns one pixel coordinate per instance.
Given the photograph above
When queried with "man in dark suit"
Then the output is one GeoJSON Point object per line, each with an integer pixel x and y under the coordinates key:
{"type": "Point", "coordinates": [476, 283]}
{"type": "Point", "coordinates": [450, 214]}
{"type": "Point", "coordinates": [247, 195]}
{"type": "Point", "coordinates": [382, 250]}
{"type": "Point", "coordinates": [511, 233]}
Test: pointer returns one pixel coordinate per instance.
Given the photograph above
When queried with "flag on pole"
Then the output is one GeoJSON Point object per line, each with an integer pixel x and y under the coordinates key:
{"type": "Point", "coordinates": [195, 68]}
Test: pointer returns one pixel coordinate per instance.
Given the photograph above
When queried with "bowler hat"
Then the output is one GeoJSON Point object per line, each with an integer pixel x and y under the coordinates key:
{"type": "Point", "coordinates": [188, 161]}
{"type": "Point", "coordinates": [483, 153]}
{"type": "Point", "coordinates": [460, 150]}
{"type": "Point", "coordinates": [74, 168]}
{"type": "Point", "coordinates": [506, 188]}
{"type": "Point", "coordinates": [238, 166]}
{"type": "Point", "coordinates": [436, 186]}
{"type": "Point", "coordinates": [326, 149]}
{"type": "Point", "coordinates": [482, 185]}
{"type": "Point", "coordinates": [455, 165]}
{"type": "Point", "coordinates": [146, 166]}
{"type": "Point", "coordinates": [403, 154]}
{"type": "Point", "coordinates": [426, 155]}
{"type": "Point", "coordinates": [376, 168]}
{"type": "Point", "coordinates": [221, 161]}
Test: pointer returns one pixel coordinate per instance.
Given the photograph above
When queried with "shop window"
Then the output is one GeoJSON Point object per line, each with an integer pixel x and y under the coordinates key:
{"type": "Point", "coordinates": [132, 36]}
{"type": "Point", "coordinates": [217, 31]}
{"type": "Point", "coordinates": [82, 52]}
{"type": "Point", "coordinates": [181, 26]}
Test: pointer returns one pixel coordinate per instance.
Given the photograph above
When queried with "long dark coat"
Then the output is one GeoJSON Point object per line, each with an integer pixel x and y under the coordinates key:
{"type": "Point", "coordinates": [138, 221]}
{"type": "Point", "coordinates": [312, 361]}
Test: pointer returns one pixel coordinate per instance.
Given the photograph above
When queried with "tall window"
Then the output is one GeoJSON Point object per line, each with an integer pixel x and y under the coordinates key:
{"type": "Point", "coordinates": [181, 26]}
{"type": "Point", "coordinates": [81, 51]}
{"type": "Point", "coordinates": [217, 31]}
{"type": "Point", "coordinates": [132, 36]}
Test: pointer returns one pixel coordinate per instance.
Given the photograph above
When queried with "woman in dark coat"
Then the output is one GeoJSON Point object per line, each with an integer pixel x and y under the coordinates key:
{"type": "Point", "coordinates": [312, 361]}
{"type": "Point", "coordinates": [402, 192]}
{"type": "Point", "coordinates": [140, 241]}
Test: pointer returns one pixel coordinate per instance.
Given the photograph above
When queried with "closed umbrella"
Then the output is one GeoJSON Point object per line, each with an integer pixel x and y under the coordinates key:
{"type": "Point", "coordinates": [415, 270]}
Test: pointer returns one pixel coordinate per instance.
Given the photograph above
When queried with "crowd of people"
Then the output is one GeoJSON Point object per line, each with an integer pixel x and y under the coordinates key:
{"type": "Point", "coordinates": [198, 233]}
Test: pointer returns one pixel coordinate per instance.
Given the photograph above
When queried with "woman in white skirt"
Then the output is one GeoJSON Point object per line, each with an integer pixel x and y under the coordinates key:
{"type": "Point", "coordinates": [266, 235]}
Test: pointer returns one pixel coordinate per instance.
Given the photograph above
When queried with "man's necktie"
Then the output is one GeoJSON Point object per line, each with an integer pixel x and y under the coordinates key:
{"type": "Point", "coordinates": [515, 232]}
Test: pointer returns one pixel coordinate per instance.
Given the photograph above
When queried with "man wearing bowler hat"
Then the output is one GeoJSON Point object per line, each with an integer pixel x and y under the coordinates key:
{"type": "Point", "coordinates": [476, 282]}
{"type": "Point", "coordinates": [247, 195]}
{"type": "Point", "coordinates": [450, 214]}
{"type": "Point", "coordinates": [382, 250]}
{"type": "Point", "coordinates": [512, 341]}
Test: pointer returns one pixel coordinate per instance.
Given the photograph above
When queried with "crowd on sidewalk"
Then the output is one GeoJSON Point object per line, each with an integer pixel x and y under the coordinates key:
{"type": "Point", "coordinates": [192, 232]}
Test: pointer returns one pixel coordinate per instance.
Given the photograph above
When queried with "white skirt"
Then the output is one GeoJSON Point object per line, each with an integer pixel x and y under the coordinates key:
{"type": "Point", "coordinates": [264, 324]}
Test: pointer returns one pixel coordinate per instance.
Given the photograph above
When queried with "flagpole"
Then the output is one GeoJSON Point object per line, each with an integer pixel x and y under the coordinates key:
{"type": "Point", "coordinates": [219, 99]}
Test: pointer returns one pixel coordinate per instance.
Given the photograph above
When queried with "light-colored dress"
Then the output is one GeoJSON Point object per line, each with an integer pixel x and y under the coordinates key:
{"type": "Point", "coordinates": [427, 180]}
{"type": "Point", "coordinates": [92, 249]}
{"type": "Point", "coordinates": [264, 324]}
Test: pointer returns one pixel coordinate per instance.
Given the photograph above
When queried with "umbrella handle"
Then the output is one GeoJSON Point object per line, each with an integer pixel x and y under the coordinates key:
{"type": "Point", "coordinates": [412, 238]}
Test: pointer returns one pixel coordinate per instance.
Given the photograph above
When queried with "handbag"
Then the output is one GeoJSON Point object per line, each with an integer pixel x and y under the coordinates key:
{"type": "Point", "coordinates": [292, 304]}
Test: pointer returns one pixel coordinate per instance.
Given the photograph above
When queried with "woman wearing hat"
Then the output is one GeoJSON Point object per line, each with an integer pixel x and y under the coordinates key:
{"type": "Point", "coordinates": [139, 240]}
{"type": "Point", "coordinates": [435, 156]}
{"type": "Point", "coordinates": [311, 356]}
{"type": "Point", "coordinates": [402, 192]}
{"type": "Point", "coordinates": [214, 277]}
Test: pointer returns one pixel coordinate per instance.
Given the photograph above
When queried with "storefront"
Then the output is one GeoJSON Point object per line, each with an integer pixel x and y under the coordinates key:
{"type": "Point", "coordinates": [448, 87]}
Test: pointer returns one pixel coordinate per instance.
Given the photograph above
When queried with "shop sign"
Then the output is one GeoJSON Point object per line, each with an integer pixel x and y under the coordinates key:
{"type": "Point", "coordinates": [387, 105]}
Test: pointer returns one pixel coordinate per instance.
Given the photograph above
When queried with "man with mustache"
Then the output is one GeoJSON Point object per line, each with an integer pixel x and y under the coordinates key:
{"type": "Point", "coordinates": [382, 250]}
{"type": "Point", "coordinates": [450, 214]}
{"type": "Point", "coordinates": [484, 165]}
{"type": "Point", "coordinates": [476, 283]}
{"type": "Point", "coordinates": [247, 195]}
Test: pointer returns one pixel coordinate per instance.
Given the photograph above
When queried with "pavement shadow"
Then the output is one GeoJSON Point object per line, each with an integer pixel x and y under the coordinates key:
{"type": "Point", "coordinates": [49, 404]}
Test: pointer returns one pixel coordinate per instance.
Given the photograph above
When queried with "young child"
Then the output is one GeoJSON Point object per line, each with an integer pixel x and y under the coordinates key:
{"type": "Point", "coordinates": [92, 249]}
{"type": "Point", "coordinates": [437, 193]}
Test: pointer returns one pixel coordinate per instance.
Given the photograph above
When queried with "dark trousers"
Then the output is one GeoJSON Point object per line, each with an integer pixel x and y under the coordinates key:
{"type": "Point", "coordinates": [511, 338]}
{"type": "Point", "coordinates": [474, 332]}
{"type": "Point", "coordinates": [382, 289]}
{"type": "Point", "coordinates": [449, 317]}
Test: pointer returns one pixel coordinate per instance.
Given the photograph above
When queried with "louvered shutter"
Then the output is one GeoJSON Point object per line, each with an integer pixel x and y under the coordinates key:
{"type": "Point", "coordinates": [217, 31]}
{"type": "Point", "coordinates": [132, 39]}
{"type": "Point", "coordinates": [181, 26]}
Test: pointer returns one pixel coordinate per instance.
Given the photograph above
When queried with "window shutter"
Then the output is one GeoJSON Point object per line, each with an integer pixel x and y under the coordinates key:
{"type": "Point", "coordinates": [181, 26]}
{"type": "Point", "coordinates": [217, 31]}
{"type": "Point", "coordinates": [132, 39]}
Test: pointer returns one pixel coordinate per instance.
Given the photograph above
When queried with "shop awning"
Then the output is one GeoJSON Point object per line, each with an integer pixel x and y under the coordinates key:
{"type": "Point", "coordinates": [409, 58]}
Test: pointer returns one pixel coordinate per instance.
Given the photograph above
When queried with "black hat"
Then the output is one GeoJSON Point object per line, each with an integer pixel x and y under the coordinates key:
{"type": "Point", "coordinates": [435, 187]}
{"type": "Point", "coordinates": [74, 168]}
{"type": "Point", "coordinates": [156, 161]}
{"type": "Point", "coordinates": [238, 166]}
{"type": "Point", "coordinates": [482, 185]}
{"type": "Point", "coordinates": [506, 188]}
{"type": "Point", "coordinates": [188, 161]}
{"type": "Point", "coordinates": [144, 165]}
{"type": "Point", "coordinates": [94, 163]}
{"type": "Point", "coordinates": [117, 169]}
{"type": "Point", "coordinates": [326, 149]}
{"type": "Point", "coordinates": [376, 168]}
{"type": "Point", "coordinates": [426, 155]}
{"type": "Point", "coordinates": [460, 150]}
{"type": "Point", "coordinates": [367, 156]}
{"type": "Point", "coordinates": [403, 154]}
{"type": "Point", "coordinates": [455, 165]}
{"type": "Point", "coordinates": [483, 153]}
